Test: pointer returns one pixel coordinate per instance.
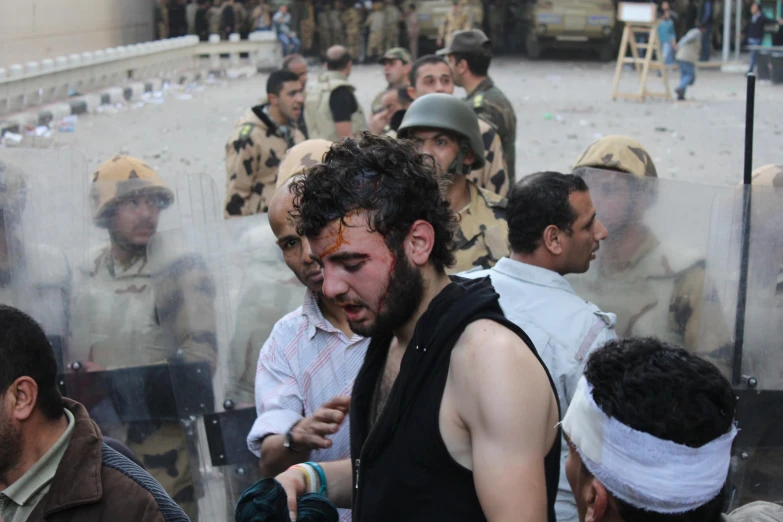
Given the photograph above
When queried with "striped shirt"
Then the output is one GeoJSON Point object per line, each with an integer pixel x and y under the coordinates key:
{"type": "Point", "coordinates": [305, 362]}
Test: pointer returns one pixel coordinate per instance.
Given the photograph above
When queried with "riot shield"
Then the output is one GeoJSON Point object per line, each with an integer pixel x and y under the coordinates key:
{"type": "Point", "coordinates": [253, 289]}
{"type": "Point", "coordinates": [650, 271]}
{"type": "Point", "coordinates": [41, 194]}
{"type": "Point", "coordinates": [125, 331]}
{"type": "Point", "coordinates": [745, 262]}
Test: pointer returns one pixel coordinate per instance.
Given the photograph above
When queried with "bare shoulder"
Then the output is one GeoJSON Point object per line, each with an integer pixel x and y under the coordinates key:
{"type": "Point", "coordinates": [486, 343]}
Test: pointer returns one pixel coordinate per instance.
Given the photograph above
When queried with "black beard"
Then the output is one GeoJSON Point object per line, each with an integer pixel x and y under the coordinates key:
{"type": "Point", "coordinates": [403, 297]}
{"type": "Point", "coordinates": [10, 447]}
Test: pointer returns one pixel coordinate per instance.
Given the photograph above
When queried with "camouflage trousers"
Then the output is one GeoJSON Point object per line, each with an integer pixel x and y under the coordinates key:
{"type": "Point", "coordinates": [164, 453]}
{"type": "Point", "coordinates": [354, 43]}
{"type": "Point", "coordinates": [307, 29]}
{"type": "Point", "coordinates": [392, 37]}
{"type": "Point", "coordinates": [375, 46]}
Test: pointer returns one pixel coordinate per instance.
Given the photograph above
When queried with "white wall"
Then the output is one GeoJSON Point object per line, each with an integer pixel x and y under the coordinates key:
{"type": "Point", "coordinates": [37, 29]}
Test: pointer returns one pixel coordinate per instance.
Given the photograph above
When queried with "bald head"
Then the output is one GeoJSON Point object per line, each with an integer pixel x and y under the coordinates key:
{"type": "Point", "coordinates": [338, 59]}
{"type": "Point", "coordinates": [282, 203]}
{"type": "Point", "coordinates": [295, 248]}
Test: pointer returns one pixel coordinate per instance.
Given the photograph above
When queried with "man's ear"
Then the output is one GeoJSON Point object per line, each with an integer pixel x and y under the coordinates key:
{"type": "Point", "coordinates": [595, 498]}
{"type": "Point", "coordinates": [552, 240]}
{"type": "Point", "coordinates": [23, 394]}
{"type": "Point", "coordinates": [273, 98]}
{"type": "Point", "coordinates": [419, 242]}
{"type": "Point", "coordinates": [412, 92]}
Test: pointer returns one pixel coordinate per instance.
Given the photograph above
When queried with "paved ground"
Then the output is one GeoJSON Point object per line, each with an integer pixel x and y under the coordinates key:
{"type": "Point", "coordinates": [561, 106]}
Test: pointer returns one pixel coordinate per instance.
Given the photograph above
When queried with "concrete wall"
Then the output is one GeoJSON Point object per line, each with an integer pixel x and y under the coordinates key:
{"type": "Point", "coordinates": [37, 29]}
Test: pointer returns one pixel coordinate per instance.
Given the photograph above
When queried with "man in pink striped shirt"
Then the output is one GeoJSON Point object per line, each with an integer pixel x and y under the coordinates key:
{"type": "Point", "coordinates": [306, 368]}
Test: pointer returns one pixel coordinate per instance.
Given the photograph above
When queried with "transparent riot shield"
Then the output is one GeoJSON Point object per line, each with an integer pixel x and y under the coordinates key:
{"type": "Point", "coordinates": [41, 195]}
{"type": "Point", "coordinates": [745, 262]}
{"type": "Point", "coordinates": [118, 358]}
{"type": "Point", "coordinates": [252, 289]}
{"type": "Point", "coordinates": [650, 270]}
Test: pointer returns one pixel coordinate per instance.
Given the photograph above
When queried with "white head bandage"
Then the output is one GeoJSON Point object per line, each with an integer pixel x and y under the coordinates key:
{"type": "Point", "coordinates": [640, 469]}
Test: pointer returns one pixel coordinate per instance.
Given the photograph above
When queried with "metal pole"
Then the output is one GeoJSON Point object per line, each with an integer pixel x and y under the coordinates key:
{"type": "Point", "coordinates": [737, 31]}
{"type": "Point", "coordinates": [726, 29]}
{"type": "Point", "coordinates": [742, 291]}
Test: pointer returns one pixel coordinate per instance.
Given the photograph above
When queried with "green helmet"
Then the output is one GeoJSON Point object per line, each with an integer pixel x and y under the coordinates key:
{"type": "Point", "coordinates": [442, 111]}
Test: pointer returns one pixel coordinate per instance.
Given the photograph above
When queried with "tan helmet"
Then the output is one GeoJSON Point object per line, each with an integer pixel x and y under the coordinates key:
{"type": "Point", "coordinates": [300, 157]}
{"type": "Point", "coordinates": [13, 189]}
{"type": "Point", "coordinates": [122, 177]}
{"type": "Point", "coordinates": [768, 176]}
{"type": "Point", "coordinates": [619, 153]}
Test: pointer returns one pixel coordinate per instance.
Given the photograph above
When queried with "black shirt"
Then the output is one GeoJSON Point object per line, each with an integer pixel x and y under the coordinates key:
{"type": "Point", "coordinates": [756, 26]}
{"type": "Point", "coordinates": [343, 104]}
{"type": "Point", "coordinates": [403, 471]}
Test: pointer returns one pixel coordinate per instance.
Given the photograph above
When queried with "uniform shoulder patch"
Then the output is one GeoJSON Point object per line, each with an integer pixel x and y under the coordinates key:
{"type": "Point", "coordinates": [247, 128]}
{"type": "Point", "coordinates": [478, 101]}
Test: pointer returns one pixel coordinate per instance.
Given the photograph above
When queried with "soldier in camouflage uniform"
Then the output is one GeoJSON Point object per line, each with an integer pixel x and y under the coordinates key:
{"type": "Point", "coordinates": [469, 55]}
{"type": "Point", "coordinates": [432, 74]}
{"type": "Point", "coordinates": [324, 27]}
{"type": "Point", "coordinates": [376, 23]}
{"type": "Point", "coordinates": [447, 129]}
{"type": "Point", "coordinates": [458, 19]}
{"type": "Point", "coordinates": [653, 288]}
{"type": "Point", "coordinates": [352, 21]}
{"type": "Point", "coordinates": [307, 26]}
{"type": "Point", "coordinates": [336, 24]}
{"type": "Point", "coordinates": [123, 319]}
{"type": "Point", "coordinates": [396, 64]}
{"type": "Point", "coordinates": [259, 141]}
{"type": "Point", "coordinates": [392, 17]}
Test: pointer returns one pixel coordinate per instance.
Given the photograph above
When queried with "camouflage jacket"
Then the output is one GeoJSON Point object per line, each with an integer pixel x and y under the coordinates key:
{"type": "Point", "coordinates": [125, 317]}
{"type": "Point", "coordinates": [253, 154]}
{"type": "Point", "coordinates": [335, 20]}
{"type": "Point", "coordinates": [482, 237]}
{"type": "Point", "coordinates": [489, 103]}
{"type": "Point", "coordinates": [391, 16]}
{"type": "Point", "coordinates": [493, 176]}
{"type": "Point", "coordinates": [352, 20]}
{"type": "Point", "coordinates": [376, 21]}
{"type": "Point", "coordinates": [459, 21]}
{"type": "Point", "coordinates": [656, 292]}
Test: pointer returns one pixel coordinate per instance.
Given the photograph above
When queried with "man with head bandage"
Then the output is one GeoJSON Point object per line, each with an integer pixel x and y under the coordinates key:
{"type": "Point", "coordinates": [649, 432]}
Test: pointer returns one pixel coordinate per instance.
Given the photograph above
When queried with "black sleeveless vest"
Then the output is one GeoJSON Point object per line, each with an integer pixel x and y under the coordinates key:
{"type": "Point", "coordinates": [403, 471]}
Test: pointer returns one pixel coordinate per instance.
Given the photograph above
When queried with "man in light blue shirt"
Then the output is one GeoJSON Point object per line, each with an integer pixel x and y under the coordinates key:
{"type": "Point", "coordinates": [553, 231]}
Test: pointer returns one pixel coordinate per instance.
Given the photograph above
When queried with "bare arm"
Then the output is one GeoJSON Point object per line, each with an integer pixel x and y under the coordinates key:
{"type": "Point", "coordinates": [344, 129]}
{"type": "Point", "coordinates": [339, 480]}
{"type": "Point", "coordinates": [505, 401]}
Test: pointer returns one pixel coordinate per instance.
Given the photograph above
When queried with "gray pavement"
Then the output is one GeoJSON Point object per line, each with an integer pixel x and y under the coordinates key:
{"type": "Point", "coordinates": [561, 107]}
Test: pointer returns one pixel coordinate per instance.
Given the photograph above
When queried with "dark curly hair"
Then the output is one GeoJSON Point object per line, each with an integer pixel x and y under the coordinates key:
{"type": "Point", "coordinates": [672, 394]}
{"type": "Point", "coordinates": [387, 178]}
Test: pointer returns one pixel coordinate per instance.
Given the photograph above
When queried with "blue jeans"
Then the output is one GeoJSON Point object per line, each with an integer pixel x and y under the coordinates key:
{"type": "Point", "coordinates": [290, 43]}
{"type": "Point", "coordinates": [706, 44]}
{"type": "Point", "coordinates": [753, 41]}
{"type": "Point", "coordinates": [668, 53]}
{"type": "Point", "coordinates": [687, 75]}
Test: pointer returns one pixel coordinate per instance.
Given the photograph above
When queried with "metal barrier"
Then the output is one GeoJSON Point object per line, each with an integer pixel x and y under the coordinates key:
{"type": "Point", "coordinates": [39, 83]}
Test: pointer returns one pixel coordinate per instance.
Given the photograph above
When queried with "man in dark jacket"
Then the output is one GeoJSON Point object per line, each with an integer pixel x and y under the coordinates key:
{"type": "Point", "coordinates": [442, 428]}
{"type": "Point", "coordinates": [54, 465]}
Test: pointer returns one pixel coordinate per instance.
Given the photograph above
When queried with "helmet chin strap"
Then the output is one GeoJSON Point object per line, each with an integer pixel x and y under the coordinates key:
{"type": "Point", "coordinates": [458, 166]}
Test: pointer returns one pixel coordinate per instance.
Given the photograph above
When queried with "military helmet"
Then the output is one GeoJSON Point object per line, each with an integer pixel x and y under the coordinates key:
{"type": "Point", "coordinates": [12, 189]}
{"type": "Point", "coordinates": [301, 157]}
{"type": "Point", "coordinates": [120, 178]}
{"type": "Point", "coordinates": [619, 153]}
{"type": "Point", "coordinates": [443, 111]}
{"type": "Point", "coordinates": [768, 176]}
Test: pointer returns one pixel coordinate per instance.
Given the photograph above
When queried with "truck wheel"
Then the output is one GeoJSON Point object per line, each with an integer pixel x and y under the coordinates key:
{"type": "Point", "coordinates": [532, 46]}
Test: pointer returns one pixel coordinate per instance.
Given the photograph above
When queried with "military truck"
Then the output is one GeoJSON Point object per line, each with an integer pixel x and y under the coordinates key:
{"type": "Point", "coordinates": [569, 24]}
{"type": "Point", "coordinates": [432, 14]}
